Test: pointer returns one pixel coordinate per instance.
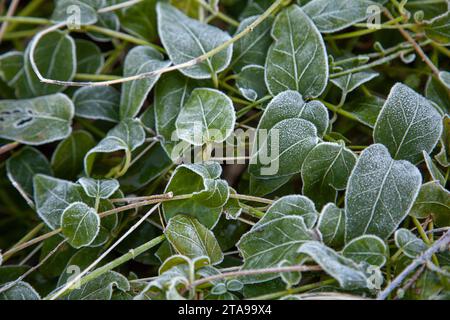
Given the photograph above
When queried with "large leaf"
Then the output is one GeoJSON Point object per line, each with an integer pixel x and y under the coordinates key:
{"type": "Point", "coordinates": [190, 238]}
{"type": "Point", "coordinates": [207, 117]}
{"type": "Point", "coordinates": [252, 48]}
{"type": "Point", "coordinates": [140, 19]}
{"type": "Point", "coordinates": [80, 224]}
{"type": "Point", "coordinates": [19, 291]}
{"type": "Point", "coordinates": [334, 15]}
{"type": "Point", "coordinates": [89, 57]}
{"type": "Point", "coordinates": [36, 121]}
{"type": "Point", "coordinates": [331, 225]}
{"type": "Point", "coordinates": [407, 241]}
{"type": "Point", "coordinates": [266, 245]}
{"type": "Point", "coordinates": [186, 39]}
{"type": "Point", "coordinates": [139, 60]}
{"type": "Point", "coordinates": [326, 170]}
{"type": "Point", "coordinates": [438, 29]}
{"type": "Point", "coordinates": [368, 249]}
{"type": "Point", "coordinates": [298, 58]}
{"type": "Point", "coordinates": [408, 124]}
{"type": "Point", "coordinates": [380, 193]}
{"type": "Point", "coordinates": [97, 103]}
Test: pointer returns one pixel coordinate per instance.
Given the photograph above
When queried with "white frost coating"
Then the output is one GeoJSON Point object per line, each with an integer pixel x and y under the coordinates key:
{"type": "Point", "coordinates": [368, 248]}
{"type": "Point", "coordinates": [380, 193]}
{"type": "Point", "coordinates": [408, 124]}
{"type": "Point", "coordinates": [333, 15]}
{"type": "Point", "coordinates": [298, 59]}
{"type": "Point", "coordinates": [97, 103]}
{"type": "Point", "coordinates": [444, 76]}
{"type": "Point", "coordinates": [186, 39]}
{"type": "Point", "coordinates": [19, 291]}
{"type": "Point", "coordinates": [102, 189]}
{"type": "Point", "coordinates": [411, 246]}
{"type": "Point", "coordinates": [331, 225]}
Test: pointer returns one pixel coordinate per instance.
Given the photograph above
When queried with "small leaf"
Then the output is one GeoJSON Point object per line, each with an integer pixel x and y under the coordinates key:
{"type": "Point", "coordinates": [102, 189]}
{"type": "Point", "coordinates": [97, 103]}
{"type": "Point", "coordinates": [23, 165]}
{"type": "Point", "coordinates": [331, 225]}
{"type": "Point", "coordinates": [438, 29]}
{"type": "Point", "coordinates": [380, 193]}
{"type": "Point", "coordinates": [107, 20]}
{"type": "Point", "coordinates": [290, 278]}
{"type": "Point", "coordinates": [71, 10]}
{"type": "Point", "coordinates": [140, 19]}
{"type": "Point", "coordinates": [139, 60]}
{"type": "Point", "coordinates": [266, 245]}
{"type": "Point", "coordinates": [352, 81]}
{"type": "Point", "coordinates": [365, 109]}
{"type": "Point", "coordinates": [444, 76]}
{"type": "Point", "coordinates": [434, 171]}
{"type": "Point", "coordinates": [80, 224]}
{"type": "Point", "coordinates": [344, 270]}
{"type": "Point", "coordinates": [89, 57]}
{"type": "Point", "coordinates": [232, 209]}
{"type": "Point", "coordinates": [293, 205]}
{"type": "Point", "coordinates": [186, 39]}
{"type": "Point", "coordinates": [334, 15]}
{"type": "Point", "coordinates": [190, 238]}
{"type": "Point", "coordinates": [434, 200]}
{"type": "Point", "coordinates": [369, 249]}
{"type": "Point", "coordinates": [411, 246]}
{"type": "Point", "coordinates": [250, 82]}
{"type": "Point", "coordinates": [19, 291]}
{"type": "Point", "coordinates": [260, 186]}
{"type": "Point", "coordinates": [207, 117]}
{"type": "Point", "coordinates": [36, 121]}
{"type": "Point", "coordinates": [298, 58]}
{"type": "Point", "coordinates": [67, 159]}
{"type": "Point", "coordinates": [408, 124]}
{"type": "Point", "coordinates": [443, 157]}
{"type": "Point", "coordinates": [326, 170]}
{"type": "Point", "coordinates": [438, 93]}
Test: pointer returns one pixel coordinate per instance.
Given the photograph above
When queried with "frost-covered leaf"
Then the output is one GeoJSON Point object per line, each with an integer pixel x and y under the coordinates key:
{"type": "Point", "coordinates": [408, 124]}
{"type": "Point", "coordinates": [55, 57]}
{"type": "Point", "coordinates": [80, 224]}
{"type": "Point", "coordinates": [97, 103]}
{"type": "Point", "coordinates": [18, 291]}
{"type": "Point", "coordinates": [352, 81]}
{"type": "Point", "coordinates": [207, 117]}
{"type": "Point", "coordinates": [290, 278]}
{"type": "Point", "coordinates": [438, 29]}
{"type": "Point", "coordinates": [434, 200]}
{"type": "Point", "coordinates": [298, 58]}
{"type": "Point", "coordinates": [67, 159]}
{"type": "Point", "coordinates": [250, 82]}
{"type": "Point", "coordinates": [11, 67]}
{"type": "Point", "coordinates": [209, 192]}
{"type": "Point", "coordinates": [23, 165]}
{"type": "Point", "coordinates": [139, 60]}
{"type": "Point", "coordinates": [334, 15]}
{"type": "Point", "coordinates": [434, 171]}
{"type": "Point", "coordinates": [369, 249]}
{"type": "Point", "coordinates": [444, 76]}
{"type": "Point", "coordinates": [326, 170]}
{"type": "Point", "coordinates": [380, 193]}
{"type": "Point", "coordinates": [344, 270]}
{"type": "Point", "coordinates": [438, 93]}
{"type": "Point", "coordinates": [232, 209]}
{"type": "Point", "coordinates": [294, 205]}
{"type": "Point", "coordinates": [266, 245]}
{"type": "Point", "coordinates": [74, 12]}
{"type": "Point", "coordinates": [252, 48]}
{"type": "Point", "coordinates": [102, 189]}
{"type": "Point", "coordinates": [140, 19]}
{"type": "Point", "coordinates": [107, 20]}
{"type": "Point", "coordinates": [89, 57]}
{"type": "Point", "coordinates": [186, 39]}
{"type": "Point", "coordinates": [36, 121]}
{"type": "Point", "coordinates": [100, 288]}
{"type": "Point", "coordinates": [331, 225]}
{"type": "Point", "coordinates": [411, 246]}
{"type": "Point", "coordinates": [443, 157]}
{"type": "Point", "coordinates": [190, 238]}
{"type": "Point", "coordinates": [365, 109]}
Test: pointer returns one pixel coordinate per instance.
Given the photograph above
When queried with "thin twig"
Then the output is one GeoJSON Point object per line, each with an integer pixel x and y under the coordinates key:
{"type": "Point", "coordinates": [119, 6]}
{"type": "Point", "coordinates": [12, 8]}
{"type": "Point", "coordinates": [8, 147]}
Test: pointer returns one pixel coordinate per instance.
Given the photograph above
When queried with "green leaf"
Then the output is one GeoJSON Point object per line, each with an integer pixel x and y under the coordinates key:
{"type": "Point", "coordinates": [209, 193]}
{"type": "Point", "coordinates": [139, 60]}
{"type": "Point", "coordinates": [369, 249]}
{"type": "Point", "coordinates": [186, 39]}
{"type": "Point", "coordinates": [80, 224]}
{"type": "Point", "coordinates": [331, 225]}
{"type": "Point", "coordinates": [250, 82]}
{"type": "Point", "coordinates": [444, 76]}
{"type": "Point", "coordinates": [334, 15]}
{"type": "Point", "coordinates": [365, 109]}
{"type": "Point", "coordinates": [100, 288]}
{"type": "Point", "coordinates": [344, 270]}
{"type": "Point", "coordinates": [107, 20]}
{"type": "Point", "coordinates": [434, 200]}
{"type": "Point", "coordinates": [325, 171]}
{"type": "Point", "coordinates": [56, 59]}
{"type": "Point", "coordinates": [22, 167]}
{"type": "Point", "coordinates": [89, 57]}
{"type": "Point", "coordinates": [434, 171]}
{"type": "Point", "coordinates": [294, 205]}
{"type": "Point", "coordinates": [140, 19]}
{"type": "Point", "coordinates": [11, 67]}
{"type": "Point", "coordinates": [411, 246]}
{"type": "Point", "coordinates": [298, 58]}
{"type": "Point", "coordinates": [438, 29]}
{"type": "Point", "coordinates": [252, 48]}
{"type": "Point", "coordinates": [266, 245]}
{"type": "Point", "coordinates": [408, 124]}
{"type": "Point", "coordinates": [443, 157]}
{"type": "Point", "coordinates": [380, 193]}
{"type": "Point", "coordinates": [80, 259]}
{"type": "Point", "coordinates": [75, 11]}
{"type": "Point", "coordinates": [36, 121]}
{"type": "Point", "coordinates": [19, 291]}
{"type": "Point", "coordinates": [438, 93]}
{"type": "Point", "coordinates": [190, 238]}
{"type": "Point", "coordinates": [102, 189]}
{"type": "Point", "coordinates": [232, 208]}
{"type": "Point", "coordinates": [290, 278]}
{"type": "Point", "coordinates": [207, 117]}
{"type": "Point", "coordinates": [352, 81]}
{"type": "Point", "coordinates": [97, 103]}
{"type": "Point", "coordinates": [261, 186]}
{"type": "Point", "coordinates": [67, 159]}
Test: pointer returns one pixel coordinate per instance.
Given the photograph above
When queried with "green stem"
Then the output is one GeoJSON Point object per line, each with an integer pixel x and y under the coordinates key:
{"type": "Point", "coordinates": [424, 237]}
{"type": "Point", "coordinates": [340, 111]}
{"type": "Point", "coordinates": [126, 164]}
{"type": "Point", "coordinates": [95, 77]}
{"type": "Point", "coordinates": [218, 14]}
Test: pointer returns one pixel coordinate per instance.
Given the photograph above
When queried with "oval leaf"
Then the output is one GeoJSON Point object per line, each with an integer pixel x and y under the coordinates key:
{"type": "Point", "coordinates": [368, 249]}
{"type": "Point", "coordinates": [80, 224]}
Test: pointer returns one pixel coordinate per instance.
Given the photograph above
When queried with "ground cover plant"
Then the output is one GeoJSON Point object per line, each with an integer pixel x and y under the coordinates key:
{"type": "Point", "coordinates": [224, 149]}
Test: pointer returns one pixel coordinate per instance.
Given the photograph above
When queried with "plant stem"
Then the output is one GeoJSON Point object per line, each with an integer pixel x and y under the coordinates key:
{"type": "Point", "coordinates": [251, 198]}
{"type": "Point", "coordinates": [119, 6]}
{"type": "Point", "coordinates": [100, 77]}
{"type": "Point", "coordinates": [218, 14]}
{"type": "Point", "coordinates": [12, 8]}
{"type": "Point", "coordinates": [8, 147]}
